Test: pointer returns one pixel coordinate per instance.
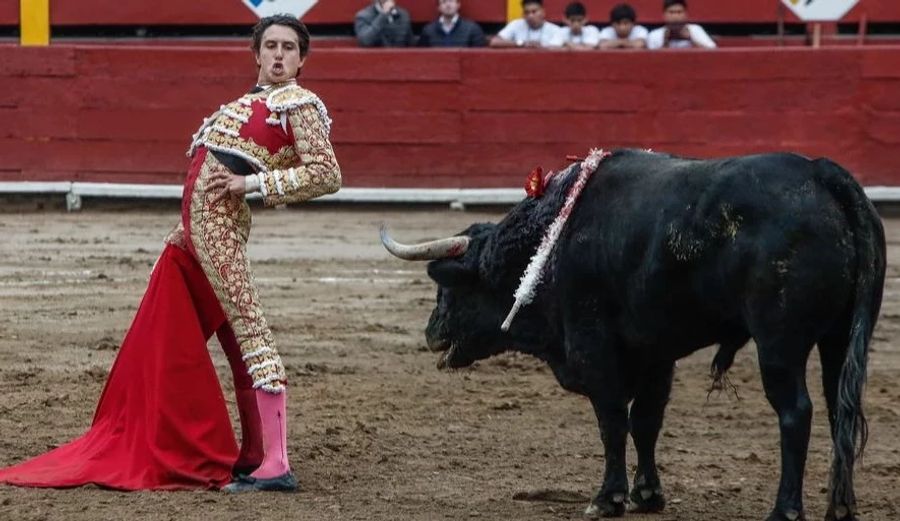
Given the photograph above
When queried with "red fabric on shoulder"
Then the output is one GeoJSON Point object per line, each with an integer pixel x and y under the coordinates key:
{"type": "Point", "coordinates": [161, 422]}
{"type": "Point", "coordinates": [258, 129]}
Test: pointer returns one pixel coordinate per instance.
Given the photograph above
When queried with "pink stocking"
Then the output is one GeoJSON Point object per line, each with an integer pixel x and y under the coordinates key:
{"type": "Point", "coordinates": [272, 408]}
{"type": "Point", "coordinates": [251, 430]}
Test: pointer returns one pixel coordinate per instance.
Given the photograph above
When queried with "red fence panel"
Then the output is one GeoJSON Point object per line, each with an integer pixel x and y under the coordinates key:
{"type": "Point", "coordinates": [9, 13]}
{"type": "Point", "coordinates": [478, 118]}
{"type": "Point", "coordinates": [224, 12]}
{"type": "Point", "coordinates": [233, 12]}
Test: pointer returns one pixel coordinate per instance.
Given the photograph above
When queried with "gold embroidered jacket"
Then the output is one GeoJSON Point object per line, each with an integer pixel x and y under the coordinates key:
{"type": "Point", "coordinates": [283, 133]}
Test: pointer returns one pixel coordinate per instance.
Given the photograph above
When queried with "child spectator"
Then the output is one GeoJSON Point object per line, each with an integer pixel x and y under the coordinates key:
{"type": "Point", "coordinates": [577, 34]}
{"type": "Point", "coordinates": [623, 31]}
{"type": "Point", "coordinates": [678, 33]}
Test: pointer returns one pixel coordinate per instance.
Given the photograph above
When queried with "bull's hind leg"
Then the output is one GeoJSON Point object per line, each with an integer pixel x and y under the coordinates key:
{"type": "Point", "coordinates": [646, 420]}
{"type": "Point", "coordinates": [783, 368]}
{"type": "Point", "coordinates": [833, 352]}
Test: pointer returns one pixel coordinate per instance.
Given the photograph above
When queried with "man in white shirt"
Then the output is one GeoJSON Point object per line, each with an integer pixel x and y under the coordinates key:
{"type": "Point", "coordinates": [623, 31]}
{"type": "Point", "coordinates": [531, 31]}
{"type": "Point", "coordinates": [577, 34]}
{"type": "Point", "coordinates": [677, 33]}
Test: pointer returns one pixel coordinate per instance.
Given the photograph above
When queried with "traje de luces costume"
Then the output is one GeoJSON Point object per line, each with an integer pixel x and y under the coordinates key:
{"type": "Point", "coordinates": [161, 422]}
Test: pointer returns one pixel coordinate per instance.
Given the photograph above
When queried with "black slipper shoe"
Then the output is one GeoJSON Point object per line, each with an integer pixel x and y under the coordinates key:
{"type": "Point", "coordinates": [283, 483]}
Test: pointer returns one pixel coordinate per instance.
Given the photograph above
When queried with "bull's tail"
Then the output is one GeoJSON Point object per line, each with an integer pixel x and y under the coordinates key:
{"type": "Point", "coordinates": [850, 430]}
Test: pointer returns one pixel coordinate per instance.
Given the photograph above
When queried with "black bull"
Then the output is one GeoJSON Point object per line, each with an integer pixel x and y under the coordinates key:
{"type": "Point", "coordinates": [663, 256]}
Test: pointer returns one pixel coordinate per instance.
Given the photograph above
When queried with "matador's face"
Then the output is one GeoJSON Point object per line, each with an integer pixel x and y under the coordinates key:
{"type": "Point", "coordinates": [279, 57]}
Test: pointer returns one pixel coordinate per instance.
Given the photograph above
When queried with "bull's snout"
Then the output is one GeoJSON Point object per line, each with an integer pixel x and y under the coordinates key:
{"type": "Point", "coordinates": [435, 333]}
{"type": "Point", "coordinates": [436, 344]}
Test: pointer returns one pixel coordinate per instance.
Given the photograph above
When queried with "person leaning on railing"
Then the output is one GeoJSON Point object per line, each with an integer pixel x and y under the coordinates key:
{"type": "Point", "coordinates": [678, 33]}
{"type": "Point", "coordinates": [533, 30]}
{"type": "Point", "coordinates": [578, 34]}
{"type": "Point", "coordinates": [623, 32]}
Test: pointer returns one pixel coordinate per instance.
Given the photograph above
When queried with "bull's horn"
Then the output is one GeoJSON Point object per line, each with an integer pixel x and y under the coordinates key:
{"type": "Point", "coordinates": [439, 249]}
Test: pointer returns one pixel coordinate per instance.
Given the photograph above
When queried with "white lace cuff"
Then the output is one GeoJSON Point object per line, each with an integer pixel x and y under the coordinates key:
{"type": "Point", "coordinates": [252, 183]}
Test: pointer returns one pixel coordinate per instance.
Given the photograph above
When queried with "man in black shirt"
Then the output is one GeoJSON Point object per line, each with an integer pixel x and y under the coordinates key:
{"type": "Point", "coordinates": [451, 30]}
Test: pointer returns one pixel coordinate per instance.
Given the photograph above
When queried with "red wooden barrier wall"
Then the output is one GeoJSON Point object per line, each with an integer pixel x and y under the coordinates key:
{"type": "Point", "coordinates": [9, 13]}
{"type": "Point", "coordinates": [453, 118]}
{"type": "Point", "coordinates": [227, 12]}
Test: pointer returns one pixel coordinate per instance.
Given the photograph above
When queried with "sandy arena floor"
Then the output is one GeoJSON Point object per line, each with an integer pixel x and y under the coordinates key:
{"type": "Point", "coordinates": [376, 432]}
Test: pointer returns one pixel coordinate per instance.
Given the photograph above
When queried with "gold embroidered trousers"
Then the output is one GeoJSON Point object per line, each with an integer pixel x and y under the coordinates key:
{"type": "Point", "coordinates": [216, 232]}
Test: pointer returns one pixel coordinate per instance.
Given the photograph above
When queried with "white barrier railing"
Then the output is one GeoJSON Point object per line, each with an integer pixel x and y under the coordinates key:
{"type": "Point", "coordinates": [456, 197]}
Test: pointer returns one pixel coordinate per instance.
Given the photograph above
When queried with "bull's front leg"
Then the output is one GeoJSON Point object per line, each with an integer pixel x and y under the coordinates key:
{"type": "Point", "coordinates": [646, 419]}
{"type": "Point", "coordinates": [604, 381]}
{"type": "Point", "coordinates": [612, 416]}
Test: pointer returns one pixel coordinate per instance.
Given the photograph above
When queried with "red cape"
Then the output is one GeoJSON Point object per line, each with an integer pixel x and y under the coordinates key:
{"type": "Point", "coordinates": [161, 422]}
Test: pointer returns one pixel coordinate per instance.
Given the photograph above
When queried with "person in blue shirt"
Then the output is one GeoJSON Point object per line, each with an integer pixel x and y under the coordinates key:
{"type": "Point", "coordinates": [451, 30]}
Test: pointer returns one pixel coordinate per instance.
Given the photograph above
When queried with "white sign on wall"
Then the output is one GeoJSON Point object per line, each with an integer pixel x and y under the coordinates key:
{"type": "Point", "coordinates": [297, 8]}
{"type": "Point", "coordinates": [820, 10]}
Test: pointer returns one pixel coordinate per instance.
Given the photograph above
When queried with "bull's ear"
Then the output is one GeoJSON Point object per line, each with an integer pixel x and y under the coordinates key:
{"type": "Point", "coordinates": [451, 272]}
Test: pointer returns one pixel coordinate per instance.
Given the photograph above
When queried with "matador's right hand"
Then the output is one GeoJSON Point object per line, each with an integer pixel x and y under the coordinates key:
{"type": "Point", "coordinates": [231, 185]}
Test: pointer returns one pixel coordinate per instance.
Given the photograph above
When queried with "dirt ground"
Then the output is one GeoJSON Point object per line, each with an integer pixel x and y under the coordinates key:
{"type": "Point", "coordinates": [376, 432]}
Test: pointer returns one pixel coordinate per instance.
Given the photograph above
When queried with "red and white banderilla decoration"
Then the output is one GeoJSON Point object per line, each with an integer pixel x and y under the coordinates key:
{"type": "Point", "coordinates": [535, 270]}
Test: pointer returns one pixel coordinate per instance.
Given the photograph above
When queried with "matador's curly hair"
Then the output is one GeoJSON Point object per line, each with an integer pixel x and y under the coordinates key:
{"type": "Point", "coordinates": [287, 21]}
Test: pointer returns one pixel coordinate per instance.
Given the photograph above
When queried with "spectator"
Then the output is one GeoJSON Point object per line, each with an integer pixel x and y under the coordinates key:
{"type": "Point", "coordinates": [678, 33]}
{"type": "Point", "coordinates": [383, 24]}
{"type": "Point", "coordinates": [531, 31]}
{"type": "Point", "coordinates": [623, 31]}
{"type": "Point", "coordinates": [577, 34]}
{"type": "Point", "coordinates": [450, 30]}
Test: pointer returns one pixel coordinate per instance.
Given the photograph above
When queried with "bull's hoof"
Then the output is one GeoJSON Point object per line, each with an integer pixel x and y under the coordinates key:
{"type": "Point", "coordinates": [610, 504]}
{"type": "Point", "coordinates": [648, 499]}
{"type": "Point", "coordinates": [841, 513]}
{"type": "Point", "coordinates": [787, 515]}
